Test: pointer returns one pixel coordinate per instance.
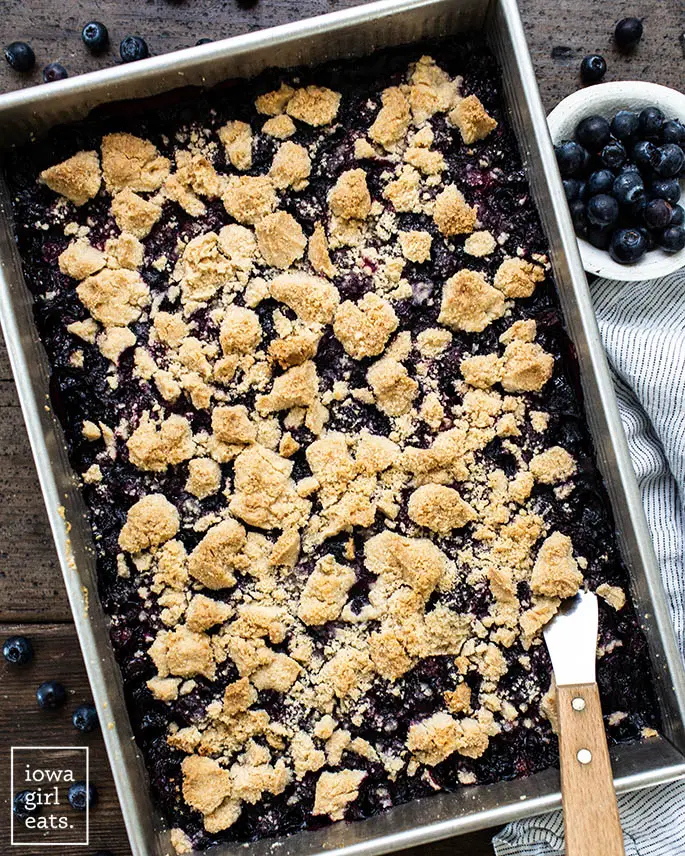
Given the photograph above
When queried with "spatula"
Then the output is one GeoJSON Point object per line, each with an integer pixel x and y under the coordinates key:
{"type": "Point", "coordinates": [591, 822]}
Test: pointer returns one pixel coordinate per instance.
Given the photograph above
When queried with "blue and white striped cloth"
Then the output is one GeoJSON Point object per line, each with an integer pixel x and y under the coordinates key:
{"type": "Point", "coordinates": [643, 329]}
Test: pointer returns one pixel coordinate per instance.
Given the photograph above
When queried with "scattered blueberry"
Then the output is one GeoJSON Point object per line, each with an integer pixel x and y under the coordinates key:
{"type": "Point", "coordinates": [81, 797]}
{"type": "Point", "coordinates": [51, 695]}
{"type": "Point", "coordinates": [665, 188]}
{"type": "Point", "coordinates": [651, 122]}
{"type": "Point", "coordinates": [54, 71]}
{"type": "Point", "coordinates": [645, 154]}
{"type": "Point", "coordinates": [673, 131]}
{"type": "Point", "coordinates": [613, 155]}
{"type": "Point", "coordinates": [24, 805]}
{"type": "Point", "coordinates": [95, 36]}
{"type": "Point", "coordinates": [677, 216]}
{"type": "Point", "coordinates": [625, 124]}
{"type": "Point", "coordinates": [593, 68]}
{"type": "Point", "coordinates": [133, 48]}
{"type": "Point", "coordinates": [627, 246]}
{"type": "Point", "coordinates": [571, 158]}
{"type": "Point", "coordinates": [593, 133]}
{"type": "Point", "coordinates": [628, 33]}
{"type": "Point", "coordinates": [17, 650]}
{"type": "Point", "coordinates": [600, 181]}
{"type": "Point", "coordinates": [85, 717]}
{"type": "Point", "coordinates": [20, 56]}
{"type": "Point", "coordinates": [602, 210]}
{"type": "Point", "coordinates": [672, 239]}
{"type": "Point", "coordinates": [670, 160]}
{"type": "Point", "coordinates": [203, 42]}
{"type": "Point", "coordinates": [628, 188]}
{"type": "Point", "coordinates": [657, 214]}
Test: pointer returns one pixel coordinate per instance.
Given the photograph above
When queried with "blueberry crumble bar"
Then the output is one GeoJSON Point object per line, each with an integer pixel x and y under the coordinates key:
{"type": "Point", "coordinates": [308, 357]}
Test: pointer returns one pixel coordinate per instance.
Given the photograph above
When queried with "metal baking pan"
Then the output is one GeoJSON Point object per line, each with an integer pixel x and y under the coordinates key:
{"type": "Point", "coordinates": [30, 113]}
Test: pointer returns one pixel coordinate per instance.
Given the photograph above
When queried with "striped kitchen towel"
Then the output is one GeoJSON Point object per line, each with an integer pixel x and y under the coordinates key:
{"type": "Point", "coordinates": [643, 329]}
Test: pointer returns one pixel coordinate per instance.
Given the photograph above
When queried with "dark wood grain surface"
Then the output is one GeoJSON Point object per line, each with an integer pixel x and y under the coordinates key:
{"type": "Point", "coordinates": [560, 33]}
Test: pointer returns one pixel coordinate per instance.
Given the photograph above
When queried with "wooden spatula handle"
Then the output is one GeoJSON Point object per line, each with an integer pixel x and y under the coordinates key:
{"type": "Point", "coordinates": [592, 826]}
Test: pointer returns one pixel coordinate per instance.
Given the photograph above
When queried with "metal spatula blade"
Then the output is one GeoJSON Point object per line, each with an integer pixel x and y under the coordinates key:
{"type": "Point", "coordinates": [571, 638]}
{"type": "Point", "coordinates": [591, 823]}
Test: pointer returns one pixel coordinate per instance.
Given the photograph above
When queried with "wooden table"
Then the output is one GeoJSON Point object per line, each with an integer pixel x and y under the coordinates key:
{"type": "Point", "coordinates": [32, 598]}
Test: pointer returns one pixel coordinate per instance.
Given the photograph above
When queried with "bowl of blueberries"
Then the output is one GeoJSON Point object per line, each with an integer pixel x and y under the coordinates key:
{"type": "Point", "coordinates": [620, 149]}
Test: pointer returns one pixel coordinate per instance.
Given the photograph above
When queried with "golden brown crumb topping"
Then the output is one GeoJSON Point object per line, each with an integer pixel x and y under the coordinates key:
{"type": "Point", "coordinates": [314, 105]}
{"type": "Point", "coordinates": [132, 163]}
{"type": "Point", "coordinates": [469, 303]}
{"type": "Point", "coordinates": [78, 178]}
{"type": "Point", "coordinates": [472, 119]}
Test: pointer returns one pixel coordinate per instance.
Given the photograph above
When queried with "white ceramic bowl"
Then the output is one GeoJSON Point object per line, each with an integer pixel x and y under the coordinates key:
{"type": "Point", "coordinates": [606, 99]}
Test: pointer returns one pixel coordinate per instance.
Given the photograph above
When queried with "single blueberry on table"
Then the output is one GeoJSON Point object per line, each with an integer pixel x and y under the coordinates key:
{"type": "Point", "coordinates": [204, 41]}
{"type": "Point", "coordinates": [673, 131]}
{"type": "Point", "coordinates": [17, 650]}
{"type": "Point", "coordinates": [671, 159]}
{"type": "Point", "coordinates": [24, 805]}
{"type": "Point", "coordinates": [657, 214]}
{"type": "Point", "coordinates": [665, 188]}
{"type": "Point", "coordinates": [628, 188]}
{"type": "Point", "coordinates": [627, 246]}
{"type": "Point", "coordinates": [677, 216]}
{"type": "Point", "coordinates": [593, 68]}
{"type": "Point", "coordinates": [593, 133]}
{"type": "Point", "coordinates": [672, 239]}
{"type": "Point", "coordinates": [625, 124]}
{"type": "Point", "coordinates": [600, 181]}
{"type": "Point", "coordinates": [613, 155]}
{"type": "Point", "coordinates": [20, 56]}
{"type": "Point", "coordinates": [81, 797]}
{"type": "Point", "coordinates": [51, 695]}
{"type": "Point", "coordinates": [645, 154]}
{"type": "Point", "coordinates": [85, 718]}
{"type": "Point", "coordinates": [133, 48]}
{"type": "Point", "coordinates": [599, 236]}
{"type": "Point", "coordinates": [602, 210]}
{"type": "Point", "coordinates": [571, 158]}
{"type": "Point", "coordinates": [54, 71]}
{"type": "Point", "coordinates": [651, 122]}
{"type": "Point", "coordinates": [628, 33]}
{"type": "Point", "coordinates": [95, 36]}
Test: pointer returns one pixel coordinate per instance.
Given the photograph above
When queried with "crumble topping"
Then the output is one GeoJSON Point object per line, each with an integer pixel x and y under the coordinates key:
{"type": "Point", "coordinates": [352, 515]}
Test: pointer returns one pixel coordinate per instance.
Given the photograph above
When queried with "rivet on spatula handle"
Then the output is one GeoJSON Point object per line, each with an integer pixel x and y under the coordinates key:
{"type": "Point", "coordinates": [592, 826]}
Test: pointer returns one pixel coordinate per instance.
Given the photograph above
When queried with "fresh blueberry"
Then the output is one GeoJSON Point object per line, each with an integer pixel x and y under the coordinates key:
{"type": "Point", "coordinates": [571, 158]}
{"type": "Point", "coordinates": [81, 797]}
{"type": "Point", "coordinates": [657, 214]}
{"type": "Point", "coordinates": [17, 650]}
{"type": "Point", "coordinates": [670, 161]}
{"type": "Point", "coordinates": [672, 239]}
{"type": "Point", "coordinates": [203, 42]}
{"type": "Point", "coordinates": [600, 181]}
{"type": "Point", "coordinates": [625, 124]}
{"type": "Point", "coordinates": [54, 71]}
{"type": "Point", "coordinates": [613, 155]}
{"type": "Point", "coordinates": [593, 68]}
{"type": "Point", "coordinates": [628, 33]}
{"type": "Point", "coordinates": [24, 805]}
{"type": "Point", "coordinates": [677, 216]}
{"type": "Point", "coordinates": [629, 167]}
{"type": "Point", "coordinates": [20, 56]}
{"type": "Point", "coordinates": [571, 189]}
{"type": "Point", "coordinates": [628, 188]}
{"type": "Point", "coordinates": [133, 48]}
{"type": "Point", "coordinates": [95, 36]}
{"type": "Point", "coordinates": [627, 246]}
{"type": "Point", "coordinates": [578, 215]}
{"type": "Point", "coordinates": [665, 188]}
{"type": "Point", "coordinates": [602, 210]}
{"type": "Point", "coordinates": [673, 131]}
{"type": "Point", "coordinates": [645, 154]}
{"type": "Point", "coordinates": [650, 243]}
{"type": "Point", "coordinates": [598, 236]}
{"type": "Point", "coordinates": [593, 133]}
{"type": "Point", "coordinates": [651, 122]}
{"type": "Point", "coordinates": [51, 695]}
{"type": "Point", "coordinates": [85, 718]}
